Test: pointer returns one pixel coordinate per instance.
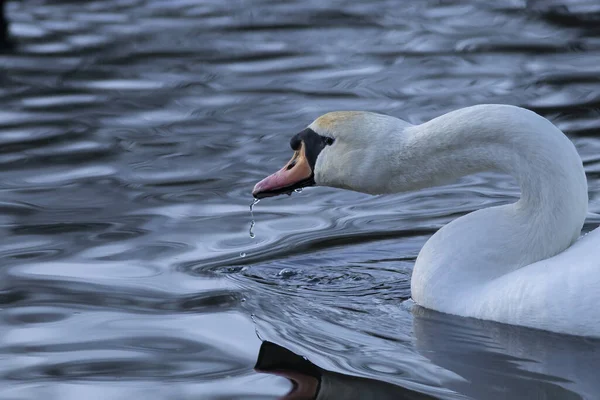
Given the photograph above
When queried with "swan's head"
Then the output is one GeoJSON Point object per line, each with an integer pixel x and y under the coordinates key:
{"type": "Point", "coordinates": [343, 149]}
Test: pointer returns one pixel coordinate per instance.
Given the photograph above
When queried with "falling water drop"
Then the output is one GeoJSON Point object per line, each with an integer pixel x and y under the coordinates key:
{"type": "Point", "coordinates": [252, 235]}
{"type": "Point", "coordinates": [252, 223]}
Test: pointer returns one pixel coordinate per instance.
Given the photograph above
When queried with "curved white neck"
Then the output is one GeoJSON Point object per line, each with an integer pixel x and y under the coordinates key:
{"type": "Point", "coordinates": [503, 138]}
{"type": "Point", "coordinates": [491, 242]}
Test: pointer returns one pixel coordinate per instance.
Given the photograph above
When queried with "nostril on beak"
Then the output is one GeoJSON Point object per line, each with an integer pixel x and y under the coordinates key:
{"type": "Point", "coordinates": [291, 165]}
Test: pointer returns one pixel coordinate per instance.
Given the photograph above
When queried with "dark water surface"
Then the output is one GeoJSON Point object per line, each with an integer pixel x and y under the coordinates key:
{"type": "Point", "coordinates": [132, 132]}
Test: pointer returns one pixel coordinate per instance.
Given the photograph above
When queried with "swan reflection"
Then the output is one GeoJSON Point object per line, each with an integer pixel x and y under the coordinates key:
{"type": "Point", "coordinates": [487, 360]}
{"type": "Point", "coordinates": [312, 382]}
{"type": "Point", "coordinates": [499, 361]}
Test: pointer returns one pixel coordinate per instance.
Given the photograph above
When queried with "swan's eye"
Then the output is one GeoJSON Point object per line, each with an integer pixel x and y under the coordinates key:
{"type": "Point", "coordinates": [329, 141]}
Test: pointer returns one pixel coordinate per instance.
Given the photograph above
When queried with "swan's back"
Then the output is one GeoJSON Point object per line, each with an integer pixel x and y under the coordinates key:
{"type": "Point", "coordinates": [559, 294]}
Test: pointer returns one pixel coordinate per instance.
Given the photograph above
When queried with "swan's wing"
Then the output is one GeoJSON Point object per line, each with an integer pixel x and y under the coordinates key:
{"type": "Point", "coordinates": [560, 294]}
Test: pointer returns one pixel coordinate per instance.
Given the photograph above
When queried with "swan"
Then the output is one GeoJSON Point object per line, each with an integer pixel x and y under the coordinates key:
{"type": "Point", "coordinates": [520, 264]}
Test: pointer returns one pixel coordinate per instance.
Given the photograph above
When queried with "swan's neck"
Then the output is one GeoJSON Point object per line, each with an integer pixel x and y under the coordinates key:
{"type": "Point", "coordinates": [491, 242]}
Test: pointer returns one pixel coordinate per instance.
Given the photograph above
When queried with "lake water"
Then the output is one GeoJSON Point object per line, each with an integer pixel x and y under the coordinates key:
{"type": "Point", "coordinates": [133, 131]}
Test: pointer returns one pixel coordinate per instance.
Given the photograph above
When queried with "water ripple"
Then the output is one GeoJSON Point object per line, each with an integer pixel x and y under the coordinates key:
{"type": "Point", "coordinates": [131, 135]}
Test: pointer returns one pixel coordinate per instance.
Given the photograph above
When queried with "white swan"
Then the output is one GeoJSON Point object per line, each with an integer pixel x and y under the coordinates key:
{"type": "Point", "coordinates": [519, 264]}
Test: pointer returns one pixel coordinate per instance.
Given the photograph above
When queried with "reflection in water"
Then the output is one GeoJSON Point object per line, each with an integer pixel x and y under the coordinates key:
{"type": "Point", "coordinates": [3, 21]}
{"type": "Point", "coordinates": [312, 382]}
{"type": "Point", "coordinates": [4, 39]}
{"type": "Point", "coordinates": [508, 362]}
{"type": "Point", "coordinates": [505, 362]}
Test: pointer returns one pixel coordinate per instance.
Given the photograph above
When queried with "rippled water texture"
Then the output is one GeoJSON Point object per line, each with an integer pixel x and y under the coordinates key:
{"type": "Point", "coordinates": [132, 132]}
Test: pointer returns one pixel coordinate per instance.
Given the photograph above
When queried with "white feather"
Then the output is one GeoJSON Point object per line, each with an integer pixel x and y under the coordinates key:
{"type": "Point", "coordinates": [519, 264]}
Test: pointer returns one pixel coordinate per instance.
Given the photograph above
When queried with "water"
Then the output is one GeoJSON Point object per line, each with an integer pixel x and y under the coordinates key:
{"type": "Point", "coordinates": [133, 131]}
{"type": "Point", "coordinates": [252, 222]}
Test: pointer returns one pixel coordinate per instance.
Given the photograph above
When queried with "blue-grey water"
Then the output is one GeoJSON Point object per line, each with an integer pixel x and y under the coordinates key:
{"type": "Point", "coordinates": [133, 131]}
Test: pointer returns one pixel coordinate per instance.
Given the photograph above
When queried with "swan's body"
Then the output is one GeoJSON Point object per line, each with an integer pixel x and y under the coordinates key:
{"type": "Point", "coordinates": [519, 264]}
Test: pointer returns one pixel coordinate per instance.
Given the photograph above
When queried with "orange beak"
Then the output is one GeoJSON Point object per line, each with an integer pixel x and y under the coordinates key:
{"type": "Point", "coordinates": [296, 174]}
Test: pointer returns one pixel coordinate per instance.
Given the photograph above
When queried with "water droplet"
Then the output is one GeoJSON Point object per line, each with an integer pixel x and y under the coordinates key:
{"type": "Point", "coordinates": [286, 273]}
{"type": "Point", "coordinates": [252, 235]}
{"type": "Point", "coordinates": [299, 190]}
{"type": "Point", "coordinates": [252, 223]}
